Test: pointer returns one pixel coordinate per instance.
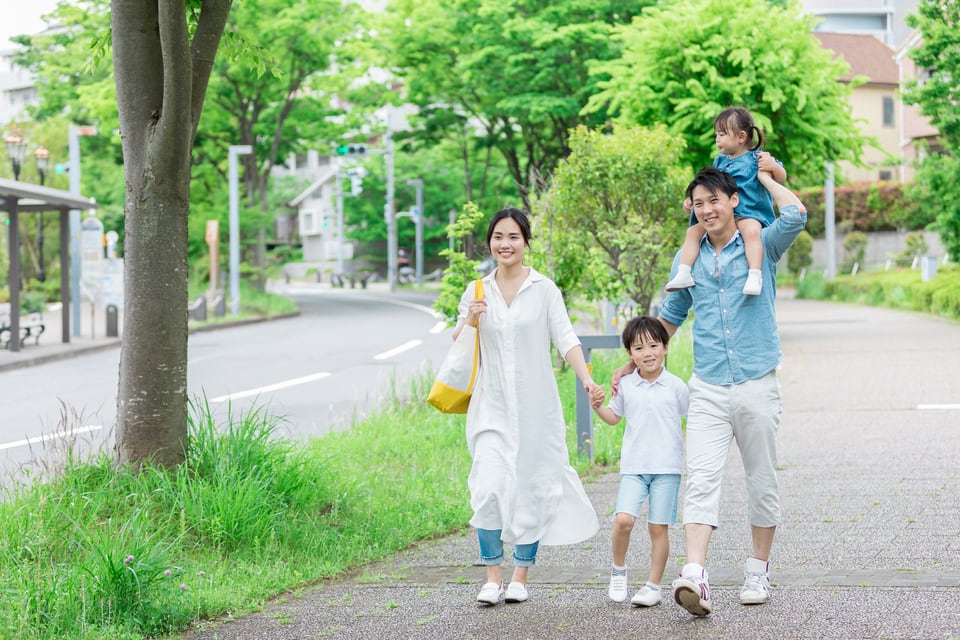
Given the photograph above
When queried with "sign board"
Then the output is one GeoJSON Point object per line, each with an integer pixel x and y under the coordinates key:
{"type": "Point", "coordinates": [91, 257]}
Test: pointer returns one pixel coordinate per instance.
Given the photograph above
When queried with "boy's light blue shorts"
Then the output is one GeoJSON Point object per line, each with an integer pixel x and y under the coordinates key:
{"type": "Point", "coordinates": [663, 489]}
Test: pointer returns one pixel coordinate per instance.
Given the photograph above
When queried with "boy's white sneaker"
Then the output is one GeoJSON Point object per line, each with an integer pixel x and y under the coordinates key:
{"type": "Point", "coordinates": [618, 587]}
{"type": "Point", "coordinates": [756, 582]}
{"type": "Point", "coordinates": [683, 280]}
{"type": "Point", "coordinates": [754, 284]}
{"type": "Point", "coordinates": [646, 597]}
{"type": "Point", "coordinates": [516, 592]}
{"type": "Point", "coordinates": [490, 593]}
{"type": "Point", "coordinates": [692, 590]}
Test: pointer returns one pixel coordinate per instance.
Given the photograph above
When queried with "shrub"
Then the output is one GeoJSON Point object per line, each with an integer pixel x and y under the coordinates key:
{"type": "Point", "coordinates": [799, 255]}
{"type": "Point", "coordinates": [855, 250]}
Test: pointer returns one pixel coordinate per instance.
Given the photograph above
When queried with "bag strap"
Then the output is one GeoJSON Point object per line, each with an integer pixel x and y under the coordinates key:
{"type": "Point", "coordinates": [478, 295]}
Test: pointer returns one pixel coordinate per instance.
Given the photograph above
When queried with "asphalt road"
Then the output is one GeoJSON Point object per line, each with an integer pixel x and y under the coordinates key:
{"type": "Point", "coordinates": [339, 358]}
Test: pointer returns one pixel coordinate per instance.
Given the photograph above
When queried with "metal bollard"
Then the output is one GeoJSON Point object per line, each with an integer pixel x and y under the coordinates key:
{"type": "Point", "coordinates": [112, 321]}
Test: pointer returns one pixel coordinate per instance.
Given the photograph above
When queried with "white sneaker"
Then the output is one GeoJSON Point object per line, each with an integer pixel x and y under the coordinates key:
{"type": "Point", "coordinates": [754, 283]}
{"type": "Point", "coordinates": [516, 592]}
{"type": "Point", "coordinates": [490, 593]}
{"type": "Point", "coordinates": [681, 281]}
{"type": "Point", "coordinates": [692, 591]}
{"type": "Point", "coordinates": [618, 587]}
{"type": "Point", "coordinates": [756, 583]}
{"type": "Point", "coordinates": [646, 597]}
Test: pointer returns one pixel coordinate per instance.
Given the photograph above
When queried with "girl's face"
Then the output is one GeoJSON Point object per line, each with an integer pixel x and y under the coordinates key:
{"type": "Point", "coordinates": [647, 354]}
{"type": "Point", "coordinates": [507, 245]}
{"type": "Point", "coordinates": [731, 143]}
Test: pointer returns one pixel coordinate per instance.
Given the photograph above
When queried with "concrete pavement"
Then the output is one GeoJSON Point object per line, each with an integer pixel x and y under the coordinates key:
{"type": "Point", "coordinates": [869, 546]}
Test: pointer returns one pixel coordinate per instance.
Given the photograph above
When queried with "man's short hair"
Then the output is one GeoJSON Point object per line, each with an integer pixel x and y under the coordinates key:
{"type": "Point", "coordinates": [714, 180]}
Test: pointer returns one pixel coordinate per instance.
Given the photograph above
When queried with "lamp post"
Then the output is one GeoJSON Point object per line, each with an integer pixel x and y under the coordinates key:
{"type": "Point", "coordinates": [17, 149]}
{"type": "Point", "coordinates": [43, 158]}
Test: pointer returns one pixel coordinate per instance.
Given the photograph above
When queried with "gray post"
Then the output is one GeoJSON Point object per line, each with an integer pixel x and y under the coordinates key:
{"type": "Point", "coordinates": [584, 411]}
{"type": "Point", "coordinates": [112, 321]}
{"type": "Point", "coordinates": [14, 273]}
{"type": "Point", "coordinates": [389, 213]}
{"type": "Point", "coordinates": [418, 221]}
{"type": "Point", "coordinates": [830, 223]}
{"type": "Point", "coordinates": [232, 153]}
{"type": "Point", "coordinates": [73, 164]}
{"type": "Point", "coordinates": [339, 220]}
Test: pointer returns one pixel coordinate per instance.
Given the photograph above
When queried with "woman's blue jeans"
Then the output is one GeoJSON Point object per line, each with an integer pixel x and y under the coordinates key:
{"type": "Point", "coordinates": [491, 549]}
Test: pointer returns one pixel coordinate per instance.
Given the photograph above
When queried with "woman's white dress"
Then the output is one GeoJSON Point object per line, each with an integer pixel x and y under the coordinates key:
{"type": "Point", "coordinates": [521, 480]}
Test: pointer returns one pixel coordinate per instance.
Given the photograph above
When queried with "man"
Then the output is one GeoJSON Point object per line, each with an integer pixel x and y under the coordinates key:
{"type": "Point", "coordinates": [734, 391]}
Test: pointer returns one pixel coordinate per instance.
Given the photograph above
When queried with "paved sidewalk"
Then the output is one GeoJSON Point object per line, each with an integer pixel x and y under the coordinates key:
{"type": "Point", "coordinates": [869, 547]}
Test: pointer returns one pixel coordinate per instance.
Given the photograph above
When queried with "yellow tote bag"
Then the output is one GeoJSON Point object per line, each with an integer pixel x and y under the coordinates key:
{"type": "Point", "coordinates": [453, 385]}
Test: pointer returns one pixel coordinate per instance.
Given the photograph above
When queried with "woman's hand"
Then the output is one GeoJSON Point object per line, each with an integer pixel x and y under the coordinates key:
{"type": "Point", "coordinates": [474, 309]}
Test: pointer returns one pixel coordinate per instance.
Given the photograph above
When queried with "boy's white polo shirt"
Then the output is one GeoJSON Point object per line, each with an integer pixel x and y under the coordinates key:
{"type": "Point", "coordinates": [652, 437]}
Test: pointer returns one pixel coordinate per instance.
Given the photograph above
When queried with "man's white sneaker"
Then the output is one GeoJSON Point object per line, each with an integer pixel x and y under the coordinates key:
{"type": "Point", "coordinates": [756, 584]}
{"type": "Point", "coordinates": [646, 597]}
{"type": "Point", "coordinates": [490, 593]}
{"type": "Point", "coordinates": [692, 590]}
{"type": "Point", "coordinates": [516, 592]}
{"type": "Point", "coordinates": [680, 281]}
{"type": "Point", "coordinates": [618, 587]}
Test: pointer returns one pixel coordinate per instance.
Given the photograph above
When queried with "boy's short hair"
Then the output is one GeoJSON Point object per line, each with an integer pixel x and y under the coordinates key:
{"type": "Point", "coordinates": [644, 325]}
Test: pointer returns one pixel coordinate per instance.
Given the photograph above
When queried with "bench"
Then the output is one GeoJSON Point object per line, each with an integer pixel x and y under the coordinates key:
{"type": "Point", "coordinates": [363, 277]}
{"type": "Point", "coordinates": [31, 326]}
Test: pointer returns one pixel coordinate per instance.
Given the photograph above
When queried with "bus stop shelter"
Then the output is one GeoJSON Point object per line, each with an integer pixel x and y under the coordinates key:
{"type": "Point", "coordinates": [20, 197]}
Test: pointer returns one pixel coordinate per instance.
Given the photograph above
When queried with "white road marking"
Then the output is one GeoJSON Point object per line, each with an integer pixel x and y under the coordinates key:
{"type": "Point", "coordinates": [50, 436]}
{"type": "Point", "coordinates": [948, 407]}
{"type": "Point", "coordinates": [440, 327]}
{"type": "Point", "coordinates": [272, 387]}
{"type": "Point", "coordinates": [406, 346]}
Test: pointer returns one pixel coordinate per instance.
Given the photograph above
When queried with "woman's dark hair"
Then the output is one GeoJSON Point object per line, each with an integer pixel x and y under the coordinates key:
{"type": "Point", "coordinates": [737, 119]}
{"type": "Point", "coordinates": [644, 326]}
{"type": "Point", "coordinates": [517, 216]}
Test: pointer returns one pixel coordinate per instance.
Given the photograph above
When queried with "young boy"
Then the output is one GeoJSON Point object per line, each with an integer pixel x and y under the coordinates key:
{"type": "Point", "coordinates": [651, 458]}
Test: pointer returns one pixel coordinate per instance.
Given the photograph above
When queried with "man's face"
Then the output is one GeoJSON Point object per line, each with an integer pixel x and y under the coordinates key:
{"type": "Point", "coordinates": [714, 210]}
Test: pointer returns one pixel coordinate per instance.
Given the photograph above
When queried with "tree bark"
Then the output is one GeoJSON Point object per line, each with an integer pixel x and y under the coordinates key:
{"type": "Point", "coordinates": [161, 77]}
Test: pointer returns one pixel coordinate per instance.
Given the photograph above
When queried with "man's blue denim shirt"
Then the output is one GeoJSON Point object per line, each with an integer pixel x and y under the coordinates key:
{"type": "Point", "coordinates": [735, 336]}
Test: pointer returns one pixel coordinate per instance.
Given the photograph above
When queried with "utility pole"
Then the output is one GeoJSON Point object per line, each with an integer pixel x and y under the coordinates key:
{"type": "Point", "coordinates": [232, 153]}
{"type": "Point", "coordinates": [418, 221]}
{"type": "Point", "coordinates": [830, 223]}
{"type": "Point", "coordinates": [389, 213]}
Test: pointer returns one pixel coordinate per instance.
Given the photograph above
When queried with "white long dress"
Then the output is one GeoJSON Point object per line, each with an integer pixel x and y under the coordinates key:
{"type": "Point", "coordinates": [521, 480]}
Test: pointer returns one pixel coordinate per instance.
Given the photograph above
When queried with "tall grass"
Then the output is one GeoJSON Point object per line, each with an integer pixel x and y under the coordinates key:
{"type": "Point", "coordinates": [99, 552]}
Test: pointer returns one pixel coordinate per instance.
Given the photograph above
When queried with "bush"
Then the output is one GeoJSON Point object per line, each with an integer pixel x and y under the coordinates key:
{"type": "Point", "coordinates": [799, 255]}
{"type": "Point", "coordinates": [855, 250]}
{"type": "Point", "coordinates": [871, 206]}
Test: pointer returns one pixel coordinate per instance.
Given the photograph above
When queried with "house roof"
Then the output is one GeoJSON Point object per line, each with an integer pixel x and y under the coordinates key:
{"type": "Point", "coordinates": [316, 184]}
{"type": "Point", "coordinates": [866, 55]}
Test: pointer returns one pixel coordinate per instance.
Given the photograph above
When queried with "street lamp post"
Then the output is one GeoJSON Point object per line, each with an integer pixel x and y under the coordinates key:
{"type": "Point", "coordinates": [17, 149]}
{"type": "Point", "coordinates": [43, 158]}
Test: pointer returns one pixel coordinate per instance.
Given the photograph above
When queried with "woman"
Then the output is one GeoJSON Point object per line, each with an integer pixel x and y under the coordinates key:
{"type": "Point", "coordinates": [522, 487]}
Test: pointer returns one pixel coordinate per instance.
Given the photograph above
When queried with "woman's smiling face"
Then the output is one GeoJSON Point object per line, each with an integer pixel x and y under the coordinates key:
{"type": "Point", "coordinates": [507, 244]}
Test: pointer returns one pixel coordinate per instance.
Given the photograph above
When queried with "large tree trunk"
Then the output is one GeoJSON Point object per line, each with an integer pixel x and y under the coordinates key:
{"type": "Point", "coordinates": [161, 79]}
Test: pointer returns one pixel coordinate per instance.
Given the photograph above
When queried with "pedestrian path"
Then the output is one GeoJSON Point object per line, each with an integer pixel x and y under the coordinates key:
{"type": "Point", "coordinates": [869, 546]}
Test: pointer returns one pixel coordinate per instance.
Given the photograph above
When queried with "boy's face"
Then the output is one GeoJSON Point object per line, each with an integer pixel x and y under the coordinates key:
{"type": "Point", "coordinates": [647, 354]}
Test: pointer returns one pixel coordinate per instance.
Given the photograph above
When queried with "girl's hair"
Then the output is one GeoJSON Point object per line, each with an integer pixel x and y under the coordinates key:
{"type": "Point", "coordinates": [517, 216]}
{"type": "Point", "coordinates": [644, 326]}
{"type": "Point", "coordinates": [737, 119]}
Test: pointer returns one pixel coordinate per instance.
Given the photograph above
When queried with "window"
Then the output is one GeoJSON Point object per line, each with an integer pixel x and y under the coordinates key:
{"type": "Point", "coordinates": [887, 111]}
{"type": "Point", "coordinates": [885, 174]}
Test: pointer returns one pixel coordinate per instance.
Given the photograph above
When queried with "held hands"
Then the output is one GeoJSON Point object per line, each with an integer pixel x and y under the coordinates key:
{"type": "Point", "coordinates": [766, 163]}
{"type": "Point", "coordinates": [597, 396]}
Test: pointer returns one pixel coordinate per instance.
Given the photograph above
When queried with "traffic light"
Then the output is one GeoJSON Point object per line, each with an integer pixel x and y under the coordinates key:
{"type": "Point", "coordinates": [352, 150]}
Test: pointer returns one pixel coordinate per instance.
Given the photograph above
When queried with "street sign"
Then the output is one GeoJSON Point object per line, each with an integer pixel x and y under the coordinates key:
{"type": "Point", "coordinates": [91, 257]}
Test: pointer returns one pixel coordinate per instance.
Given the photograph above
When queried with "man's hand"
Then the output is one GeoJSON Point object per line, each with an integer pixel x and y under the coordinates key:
{"type": "Point", "coordinates": [625, 370]}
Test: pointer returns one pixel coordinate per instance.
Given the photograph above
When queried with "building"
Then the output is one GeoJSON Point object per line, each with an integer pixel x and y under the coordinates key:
{"type": "Point", "coordinates": [17, 88]}
{"type": "Point", "coordinates": [883, 19]}
{"type": "Point", "coordinates": [875, 104]}
{"type": "Point", "coordinates": [916, 132]}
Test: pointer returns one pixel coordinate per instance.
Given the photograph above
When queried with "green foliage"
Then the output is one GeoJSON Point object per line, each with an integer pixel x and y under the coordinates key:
{"type": "Point", "coordinates": [873, 206]}
{"type": "Point", "coordinates": [685, 61]}
{"type": "Point", "coordinates": [854, 250]}
{"type": "Point", "coordinates": [899, 289]}
{"type": "Point", "coordinates": [936, 51]}
{"type": "Point", "coordinates": [462, 270]}
{"type": "Point", "coordinates": [915, 246]}
{"type": "Point", "coordinates": [615, 214]}
{"type": "Point", "coordinates": [517, 69]}
{"type": "Point", "coordinates": [935, 187]}
{"type": "Point", "coordinates": [799, 255]}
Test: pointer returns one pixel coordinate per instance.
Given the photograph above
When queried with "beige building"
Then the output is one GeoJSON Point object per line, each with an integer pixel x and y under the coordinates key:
{"type": "Point", "coordinates": [875, 104]}
{"type": "Point", "coordinates": [913, 127]}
